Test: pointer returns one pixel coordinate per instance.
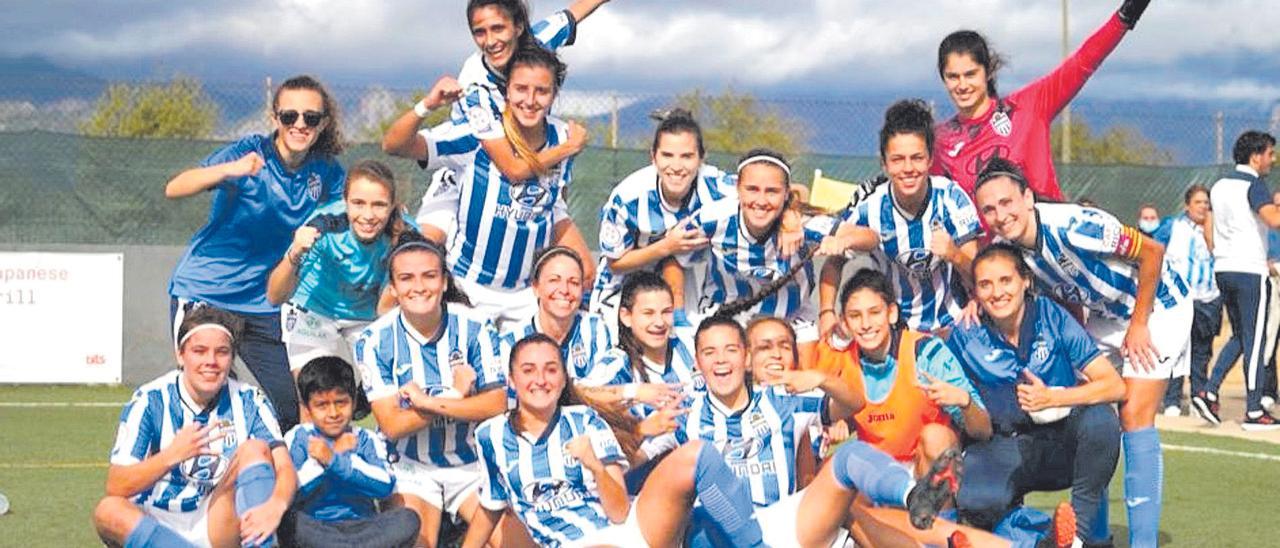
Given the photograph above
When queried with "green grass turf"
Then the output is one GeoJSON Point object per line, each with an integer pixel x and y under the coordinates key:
{"type": "Point", "coordinates": [53, 465]}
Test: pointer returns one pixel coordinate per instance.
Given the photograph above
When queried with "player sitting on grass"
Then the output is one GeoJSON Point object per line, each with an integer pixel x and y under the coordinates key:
{"type": "Point", "coordinates": [342, 469]}
{"type": "Point", "coordinates": [197, 459]}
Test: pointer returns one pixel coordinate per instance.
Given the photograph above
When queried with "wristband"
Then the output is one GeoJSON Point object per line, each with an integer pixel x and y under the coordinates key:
{"type": "Point", "coordinates": [420, 109]}
{"type": "Point", "coordinates": [825, 311]}
{"type": "Point", "coordinates": [630, 391]}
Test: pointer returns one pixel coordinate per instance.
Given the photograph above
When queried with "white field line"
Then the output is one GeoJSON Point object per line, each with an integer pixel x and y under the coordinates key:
{"type": "Point", "coordinates": [1223, 452]}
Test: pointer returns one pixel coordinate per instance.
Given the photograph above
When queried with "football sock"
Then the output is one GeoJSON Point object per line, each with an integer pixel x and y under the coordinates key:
{"type": "Point", "coordinates": [726, 498]}
{"type": "Point", "coordinates": [861, 467]}
{"type": "Point", "coordinates": [1143, 473]}
{"type": "Point", "coordinates": [150, 534]}
{"type": "Point", "coordinates": [253, 487]}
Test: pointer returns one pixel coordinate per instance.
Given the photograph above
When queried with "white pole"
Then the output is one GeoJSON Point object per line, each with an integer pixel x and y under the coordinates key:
{"type": "Point", "coordinates": [1066, 111]}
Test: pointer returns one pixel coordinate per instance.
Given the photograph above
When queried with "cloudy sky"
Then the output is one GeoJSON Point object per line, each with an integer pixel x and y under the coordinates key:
{"type": "Point", "coordinates": [1214, 49]}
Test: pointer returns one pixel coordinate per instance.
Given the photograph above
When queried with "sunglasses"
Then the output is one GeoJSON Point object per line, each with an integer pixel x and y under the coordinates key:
{"type": "Point", "coordinates": [311, 118]}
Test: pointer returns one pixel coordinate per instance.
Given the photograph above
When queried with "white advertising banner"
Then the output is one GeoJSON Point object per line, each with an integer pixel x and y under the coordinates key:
{"type": "Point", "coordinates": [61, 317]}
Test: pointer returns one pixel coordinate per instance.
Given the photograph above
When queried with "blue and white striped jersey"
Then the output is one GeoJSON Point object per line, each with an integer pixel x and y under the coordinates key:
{"type": "Point", "coordinates": [554, 32]}
{"type": "Point", "coordinates": [758, 442]}
{"type": "Point", "coordinates": [348, 487]}
{"type": "Point", "coordinates": [1187, 253]}
{"type": "Point", "coordinates": [501, 224]}
{"type": "Point", "coordinates": [1084, 256]}
{"type": "Point", "coordinates": [736, 265]}
{"type": "Point", "coordinates": [615, 367]}
{"type": "Point", "coordinates": [587, 341]}
{"type": "Point", "coordinates": [342, 277]}
{"type": "Point", "coordinates": [635, 216]}
{"type": "Point", "coordinates": [551, 492]}
{"type": "Point", "coordinates": [160, 408]}
{"type": "Point", "coordinates": [391, 354]}
{"type": "Point", "coordinates": [924, 283]}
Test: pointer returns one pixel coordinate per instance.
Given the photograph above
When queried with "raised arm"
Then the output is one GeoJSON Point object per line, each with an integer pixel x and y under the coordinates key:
{"type": "Point", "coordinates": [402, 137]}
{"type": "Point", "coordinates": [581, 9]}
{"type": "Point", "coordinates": [1053, 91]}
{"type": "Point", "coordinates": [196, 180]}
{"type": "Point", "coordinates": [284, 278]}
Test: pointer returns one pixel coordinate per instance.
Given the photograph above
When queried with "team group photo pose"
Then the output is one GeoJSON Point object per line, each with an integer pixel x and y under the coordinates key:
{"type": "Point", "coordinates": [440, 348]}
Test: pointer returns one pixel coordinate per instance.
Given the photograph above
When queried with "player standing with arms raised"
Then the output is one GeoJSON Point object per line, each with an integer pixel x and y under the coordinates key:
{"type": "Point", "coordinates": [1014, 127]}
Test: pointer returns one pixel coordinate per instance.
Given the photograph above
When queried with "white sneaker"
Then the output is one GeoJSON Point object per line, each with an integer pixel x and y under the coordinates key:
{"type": "Point", "coordinates": [1173, 411]}
{"type": "Point", "coordinates": [1268, 402]}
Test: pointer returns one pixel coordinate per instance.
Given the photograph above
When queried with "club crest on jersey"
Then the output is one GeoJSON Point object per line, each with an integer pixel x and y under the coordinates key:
{"type": "Point", "coordinates": [1001, 123]}
{"type": "Point", "coordinates": [918, 262]}
{"type": "Point", "coordinates": [313, 186]}
{"type": "Point", "coordinates": [1067, 265]}
{"type": "Point", "coordinates": [291, 320]}
{"type": "Point", "coordinates": [610, 234]}
{"type": "Point", "coordinates": [759, 424]}
{"type": "Point", "coordinates": [455, 359]}
{"type": "Point", "coordinates": [480, 119]}
{"type": "Point", "coordinates": [1040, 351]}
{"type": "Point", "coordinates": [550, 495]}
{"type": "Point", "coordinates": [578, 356]}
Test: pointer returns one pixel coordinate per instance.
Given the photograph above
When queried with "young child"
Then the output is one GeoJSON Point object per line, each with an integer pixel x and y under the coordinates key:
{"type": "Point", "coordinates": [342, 469]}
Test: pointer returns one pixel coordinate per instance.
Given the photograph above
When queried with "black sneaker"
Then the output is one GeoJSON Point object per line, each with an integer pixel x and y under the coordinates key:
{"type": "Point", "coordinates": [935, 489]}
{"type": "Point", "coordinates": [1260, 423]}
{"type": "Point", "coordinates": [1206, 407]}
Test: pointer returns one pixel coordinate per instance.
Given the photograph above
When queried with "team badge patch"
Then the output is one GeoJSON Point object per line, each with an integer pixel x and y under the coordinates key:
{"type": "Point", "coordinates": [455, 360]}
{"type": "Point", "coordinates": [291, 320]}
{"type": "Point", "coordinates": [1040, 351]}
{"type": "Point", "coordinates": [1001, 123]}
{"type": "Point", "coordinates": [313, 186]}
{"type": "Point", "coordinates": [610, 234]}
{"type": "Point", "coordinates": [480, 120]}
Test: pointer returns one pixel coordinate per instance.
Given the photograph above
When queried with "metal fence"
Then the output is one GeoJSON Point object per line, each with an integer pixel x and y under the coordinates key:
{"type": "Point", "coordinates": [60, 186]}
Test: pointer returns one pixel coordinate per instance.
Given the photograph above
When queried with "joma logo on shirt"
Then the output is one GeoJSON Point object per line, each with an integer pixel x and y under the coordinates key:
{"type": "Point", "coordinates": [880, 417]}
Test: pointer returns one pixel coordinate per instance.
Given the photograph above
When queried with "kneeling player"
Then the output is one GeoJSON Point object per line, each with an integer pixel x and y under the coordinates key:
{"type": "Point", "coordinates": [222, 476]}
{"type": "Point", "coordinates": [342, 469]}
{"type": "Point", "coordinates": [914, 388]}
{"type": "Point", "coordinates": [1052, 430]}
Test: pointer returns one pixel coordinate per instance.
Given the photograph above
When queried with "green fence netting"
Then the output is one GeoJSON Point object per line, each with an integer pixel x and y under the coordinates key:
{"type": "Point", "coordinates": [59, 188]}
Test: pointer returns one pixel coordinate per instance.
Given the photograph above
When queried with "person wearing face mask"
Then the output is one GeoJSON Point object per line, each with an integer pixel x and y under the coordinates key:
{"type": "Point", "coordinates": [431, 372]}
{"type": "Point", "coordinates": [1148, 219]}
{"type": "Point", "coordinates": [1014, 127]}
{"type": "Point", "coordinates": [264, 187]}
{"type": "Point", "coordinates": [1188, 244]}
{"type": "Point", "coordinates": [331, 279]}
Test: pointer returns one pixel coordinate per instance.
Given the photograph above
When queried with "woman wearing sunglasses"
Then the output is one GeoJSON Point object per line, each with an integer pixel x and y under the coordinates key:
{"type": "Point", "coordinates": [264, 187]}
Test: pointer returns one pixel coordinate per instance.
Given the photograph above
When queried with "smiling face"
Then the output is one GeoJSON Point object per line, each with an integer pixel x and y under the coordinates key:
{"type": "Point", "coordinates": [530, 94]}
{"type": "Point", "coordinates": [559, 287]}
{"type": "Point", "coordinates": [906, 162]}
{"type": "Point", "coordinates": [772, 348]}
{"type": "Point", "coordinates": [330, 411]}
{"type": "Point", "coordinates": [538, 377]}
{"type": "Point", "coordinates": [1008, 210]}
{"type": "Point", "coordinates": [418, 281]}
{"type": "Point", "coordinates": [206, 358]}
{"type": "Point", "coordinates": [649, 318]}
{"type": "Point", "coordinates": [677, 161]}
{"type": "Point", "coordinates": [762, 193]}
{"type": "Point", "coordinates": [1000, 289]}
{"type": "Point", "coordinates": [722, 359]}
{"type": "Point", "coordinates": [495, 34]}
{"type": "Point", "coordinates": [297, 138]}
{"type": "Point", "coordinates": [966, 83]}
{"type": "Point", "coordinates": [869, 319]}
{"type": "Point", "coordinates": [368, 208]}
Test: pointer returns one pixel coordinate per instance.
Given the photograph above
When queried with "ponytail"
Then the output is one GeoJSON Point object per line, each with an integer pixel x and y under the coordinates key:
{"type": "Point", "coordinates": [732, 309]}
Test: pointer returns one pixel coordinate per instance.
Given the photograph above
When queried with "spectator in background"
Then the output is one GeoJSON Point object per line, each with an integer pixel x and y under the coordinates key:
{"type": "Point", "coordinates": [1188, 250]}
{"type": "Point", "coordinates": [1243, 214]}
{"type": "Point", "coordinates": [1148, 219]}
{"type": "Point", "coordinates": [264, 187]}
